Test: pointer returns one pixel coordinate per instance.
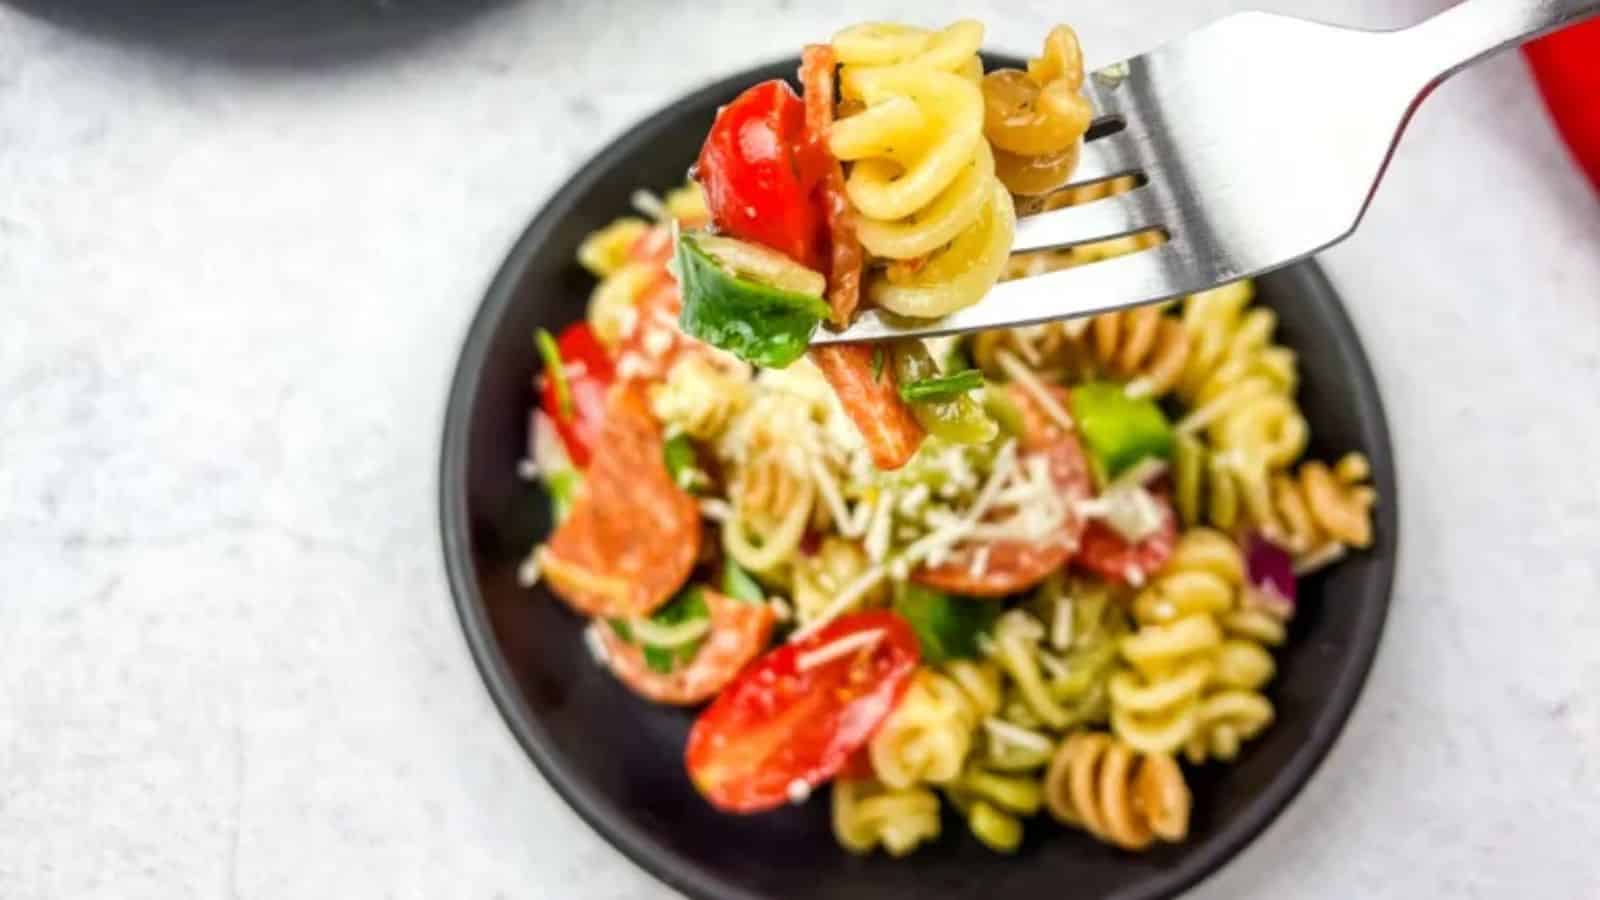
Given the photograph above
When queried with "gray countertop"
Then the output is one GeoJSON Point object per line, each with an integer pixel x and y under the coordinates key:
{"type": "Point", "coordinates": [231, 304]}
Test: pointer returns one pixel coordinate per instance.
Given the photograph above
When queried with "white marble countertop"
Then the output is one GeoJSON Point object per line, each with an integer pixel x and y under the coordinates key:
{"type": "Point", "coordinates": [231, 303]}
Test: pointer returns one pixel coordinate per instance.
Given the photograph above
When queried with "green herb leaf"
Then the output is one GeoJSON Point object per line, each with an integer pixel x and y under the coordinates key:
{"type": "Point", "coordinates": [683, 463]}
{"type": "Point", "coordinates": [941, 387]}
{"type": "Point", "coordinates": [690, 604]}
{"type": "Point", "coordinates": [762, 324]}
{"type": "Point", "coordinates": [877, 363]}
{"type": "Point", "coordinates": [738, 584]}
{"type": "Point", "coordinates": [555, 370]}
{"type": "Point", "coordinates": [946, 626]}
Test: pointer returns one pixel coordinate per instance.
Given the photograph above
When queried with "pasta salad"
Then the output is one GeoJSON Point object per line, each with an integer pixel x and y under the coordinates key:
{"type": "Point", "coordinates": [1030, 573]}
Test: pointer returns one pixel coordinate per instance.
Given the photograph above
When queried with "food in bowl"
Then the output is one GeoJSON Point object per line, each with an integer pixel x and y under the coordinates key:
{"type": "Point", "coordinates": [1033, 571]}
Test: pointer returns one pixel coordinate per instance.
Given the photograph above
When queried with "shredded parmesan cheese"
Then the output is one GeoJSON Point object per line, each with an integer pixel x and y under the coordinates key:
{"type": "Point", "coordinates": [596, 645]}
{"type": "Point", "coordinates": [1061, 624]}
{"type": "Point", "coordinates": [1004, 732]}
{"type": "Point", "coordinates": [527, 470]}
{"type": "Point", "coordinates": [844, 646]}
{"type": "Point", "coordinates": [716, 510]}
{"type": "Point", "coordinates": [831, 498]}
{"type": "Point", "coordinates": [1030, 383]}
{"type": "Point", "coordinates": [846, 598]}
{"type": "Point", "coordinates": [528, 571]}
{"type": "Point", "coordinates": [799, 791]}
{"type": "Point", "coordinates": [648, 203]}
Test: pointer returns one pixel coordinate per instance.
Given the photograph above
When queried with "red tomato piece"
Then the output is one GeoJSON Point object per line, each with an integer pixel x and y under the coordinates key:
{"type": "Point", "coordinates": [752, 179]}
{"type": "Point", "coordinates": [817, 65]}
{"type": "Point", "coordinates": [1566, 66]}
{"type": "Point", "coordinates": [778, 724]}
{"type": "Point", "coordinates": [633, 534]}
{"type": "Point", "coordinates": [1109, 555]}
{"type": "Point", "coordinates": [891, 432]}
{"type": "Point", "coordinates": [739, 631]}
{"type": "Point", "coordinates": [589, 375]}
{"type": "Point", "coordinates": [1016, 565]}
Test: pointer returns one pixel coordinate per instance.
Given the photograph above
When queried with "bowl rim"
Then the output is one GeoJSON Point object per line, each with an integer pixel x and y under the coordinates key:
{"type": "Point", "coordinates": [643, 848]}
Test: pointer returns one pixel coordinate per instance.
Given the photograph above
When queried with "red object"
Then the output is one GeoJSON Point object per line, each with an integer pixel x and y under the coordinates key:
{"type": "Point", "coordinates": [1015, 566]}
{"type": "Point", "coordinates": [872, 401]}
{"type": "Point", "coordinates": [1566, 66]}
{"type": "Point", "coordinates": [1109, 555]}
{"type": "Point", "coordinates": [777, 724]}
{"type": "Point", "coordinates": [633, 534]}
{"type": "Point", "coordinates": [844, 249]}
{"type": "Point", "coordinates": [739, 631]}
{"type": "Point", "coordinates": [589, 375]}
{"type": "Point", "coordinates": [752, 177]}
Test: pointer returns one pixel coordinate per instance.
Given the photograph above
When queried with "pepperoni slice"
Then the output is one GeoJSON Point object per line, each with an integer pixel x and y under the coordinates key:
{"type": "Point", "coordinates": [873, 402]}
{"type": "Point", "coordinates": [1109, 555]}
{"type": "Point", "coordinates": [739, 632]}
{"type": "Point", "coordinates": [817, 65]}
{"type": "Point", "coordinates": [633, 534]}
{"type": "Point", "coordinates": [1014, 566]}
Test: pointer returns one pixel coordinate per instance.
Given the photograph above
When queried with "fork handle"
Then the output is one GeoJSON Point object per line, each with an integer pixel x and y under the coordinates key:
{"type": "Point", "coordinates": [1476, 29]}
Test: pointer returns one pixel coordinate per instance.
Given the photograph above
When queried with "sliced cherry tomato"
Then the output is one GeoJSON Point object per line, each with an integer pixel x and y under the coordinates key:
{"type": "Point", "coordinates": [1109, 555]}
{"type": "Point", "coordinates": [739, 631]}
{"type": "Point", "coordinates": [872, 400]}
{"type": "Point", "coordinates": [752, 177]}
{"type": "Point", "coordinates": [589, 374]}
{"type": "Point", "coordinates": [778, 724]}
{"type": "Point", "coordinates": [633, 534]}
{"type": "Point", "coordinates": [817, 65]}
{"type": "Point", "coordinates": [1566, 66]}
{"type": "Point", "coordinates": [1015, 566]}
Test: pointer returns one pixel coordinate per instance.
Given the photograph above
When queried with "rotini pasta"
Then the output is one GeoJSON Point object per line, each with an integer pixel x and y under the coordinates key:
{"type": "Point", "coordinates": [921, 173]}
{"type": "Point", "coordinates": [699, 399]}
{"type": "Point", "coordinates": [1047, 620]}
{"type": "Point", "coordinates": [1036, 119]}
{"type": "Point", "coordinates": [928, 736]}
{"type": "Point", "coordinates": [1116, 793]}
{"type": "Point", "coordinates": [868, 815]}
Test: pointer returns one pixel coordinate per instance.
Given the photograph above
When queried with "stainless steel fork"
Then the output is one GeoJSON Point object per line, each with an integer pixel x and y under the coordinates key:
{"type": "Point", "coordinates": [1259, 140]}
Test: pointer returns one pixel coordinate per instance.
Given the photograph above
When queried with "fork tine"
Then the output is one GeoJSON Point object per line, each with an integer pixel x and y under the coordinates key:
{"type": "Point", "coordinates": [1109, 217]}
{"type": "Point", "coordinates": [1104, 158]}
{"type": "Point", "coordinates": [1145, 277]}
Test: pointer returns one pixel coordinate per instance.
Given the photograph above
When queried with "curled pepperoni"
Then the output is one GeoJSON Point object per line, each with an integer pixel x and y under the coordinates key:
{"type": "Point", "coordinates": [1014, 566]}
{"type": "Point", "coordinates": [1109, 555]}
{"type": "Point", "coordinates": [739, 632]}
{"type": "Point", "coordinates": [632, 535]}
{"type": "Point", "coordinates": [817, 65]}
{"type": "Point", "coordinates": [872, 401]}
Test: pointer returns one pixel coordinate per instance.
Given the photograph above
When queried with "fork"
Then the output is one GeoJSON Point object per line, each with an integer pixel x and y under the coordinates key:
{"type": "Point", "coordinates": [1257, 141]}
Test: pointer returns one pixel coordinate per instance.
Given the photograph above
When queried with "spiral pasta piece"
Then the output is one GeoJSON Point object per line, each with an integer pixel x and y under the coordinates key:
{"type": "Point", "coordinates": [929, 735]}
{"type": "Point", "coordinates": [819, 577]}
{"type": "Point", "coordinates": [1117, 794]}
{"type": "Point", "coordinates": [921, 175]}
{"type": "Point", "coordinates": [1036, 119]}
{"type": "Point", "coordinates": [1153, 702]}
{"type": "Point", "coordinates": [867, 815]}
{"type": "Point", "coordinates": [1317, 506]}
{"type": "Point", "coordinates": [605, 251]}
{"type": "Point", "coordinates": [699, 398]}
{"type": "Point", "coordinates": [1223, 722]}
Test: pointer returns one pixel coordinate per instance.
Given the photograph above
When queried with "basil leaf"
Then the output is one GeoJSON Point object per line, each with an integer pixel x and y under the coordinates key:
{"type": "Point", "coordinates": [946, 626]}
{"type": "Point", "coordinates": [941, 387]}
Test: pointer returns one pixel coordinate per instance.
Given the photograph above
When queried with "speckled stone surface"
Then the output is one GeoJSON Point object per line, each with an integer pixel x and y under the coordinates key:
{"type": "Point", "coordinates": [230, 302]}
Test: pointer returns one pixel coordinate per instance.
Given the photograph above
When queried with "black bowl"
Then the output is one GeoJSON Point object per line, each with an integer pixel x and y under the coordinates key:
{"type": "Point", "coordinates": [618, 760]}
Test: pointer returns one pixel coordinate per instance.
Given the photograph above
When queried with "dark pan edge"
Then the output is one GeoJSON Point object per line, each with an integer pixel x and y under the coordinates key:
{"type": "Point", "coordinates": [644, 849]}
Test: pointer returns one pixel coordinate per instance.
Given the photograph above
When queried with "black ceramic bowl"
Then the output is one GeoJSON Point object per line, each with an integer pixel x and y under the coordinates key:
{"type": "Point", "coordinates": [618, 760]}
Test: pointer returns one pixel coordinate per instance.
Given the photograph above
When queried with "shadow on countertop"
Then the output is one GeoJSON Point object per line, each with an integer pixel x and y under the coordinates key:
{"type": "Point", "coordinates": [263, 32]}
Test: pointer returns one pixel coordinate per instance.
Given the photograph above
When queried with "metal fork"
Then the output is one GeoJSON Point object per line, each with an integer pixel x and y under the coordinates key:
{"type": "Point", "coordinates": [1259, 140]}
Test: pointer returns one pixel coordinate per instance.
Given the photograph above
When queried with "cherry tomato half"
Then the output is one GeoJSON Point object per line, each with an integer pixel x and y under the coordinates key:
{"type": "Point", "coordinates": [589, 375]}
{"type": "Point", "coordinates": [751, 173]}
{"type": "Point", "coordinates": [778, 724]}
